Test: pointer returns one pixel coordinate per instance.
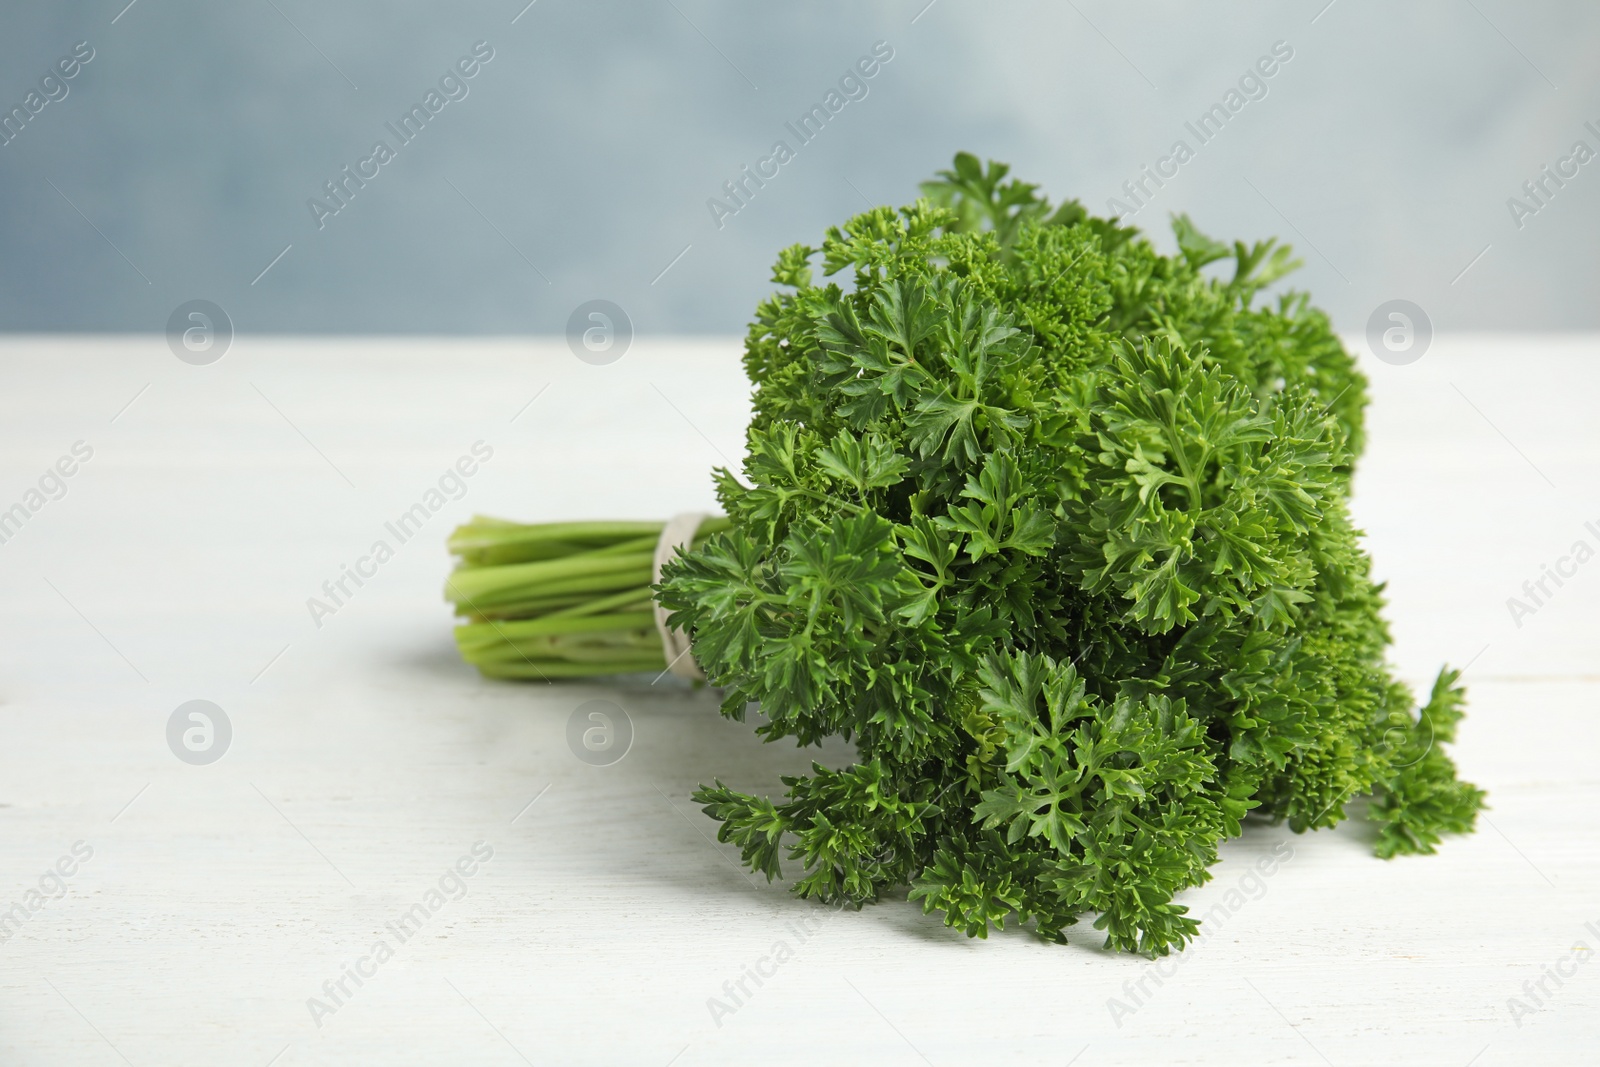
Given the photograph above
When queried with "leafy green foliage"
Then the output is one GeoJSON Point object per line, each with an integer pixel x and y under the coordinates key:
{"type": "Point", "coordinates": [1053, 527]}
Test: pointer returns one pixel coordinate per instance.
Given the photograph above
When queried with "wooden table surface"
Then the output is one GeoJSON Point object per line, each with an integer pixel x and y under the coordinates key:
{"type": "Point", "coordinates": [168, 912]}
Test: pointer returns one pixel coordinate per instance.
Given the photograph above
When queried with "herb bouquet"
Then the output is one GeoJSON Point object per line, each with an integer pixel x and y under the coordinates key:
{"type": "Point", "coordinates": [1053, 527]}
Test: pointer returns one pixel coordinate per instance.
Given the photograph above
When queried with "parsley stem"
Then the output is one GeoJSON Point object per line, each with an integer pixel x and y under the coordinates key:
{"type": "Point", "coordinates": [557, 600]}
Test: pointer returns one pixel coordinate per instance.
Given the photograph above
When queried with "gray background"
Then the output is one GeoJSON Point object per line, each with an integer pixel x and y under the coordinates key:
{"type": "Point", "coordinates": [586, 150]}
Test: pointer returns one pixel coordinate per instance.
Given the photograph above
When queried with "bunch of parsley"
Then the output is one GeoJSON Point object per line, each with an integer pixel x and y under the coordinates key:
{"type": "Point", "coordinates": [1054, 528]}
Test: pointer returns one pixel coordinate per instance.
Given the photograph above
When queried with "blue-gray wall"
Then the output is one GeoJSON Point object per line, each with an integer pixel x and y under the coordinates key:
{"type": "Point", "coordinates": [585, 151]}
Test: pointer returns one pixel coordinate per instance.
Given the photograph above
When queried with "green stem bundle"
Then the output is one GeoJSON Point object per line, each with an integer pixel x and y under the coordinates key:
{"type": "Point", "coordinates": [558, 599]}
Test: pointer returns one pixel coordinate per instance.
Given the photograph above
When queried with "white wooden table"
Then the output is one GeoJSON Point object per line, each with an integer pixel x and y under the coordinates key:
{"type": "Point", "coordinates": [365, 761]}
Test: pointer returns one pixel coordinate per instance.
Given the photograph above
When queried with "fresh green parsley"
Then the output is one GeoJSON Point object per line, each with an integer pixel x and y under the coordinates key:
{"type": "Point", "coordinates": [1054, 528]}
